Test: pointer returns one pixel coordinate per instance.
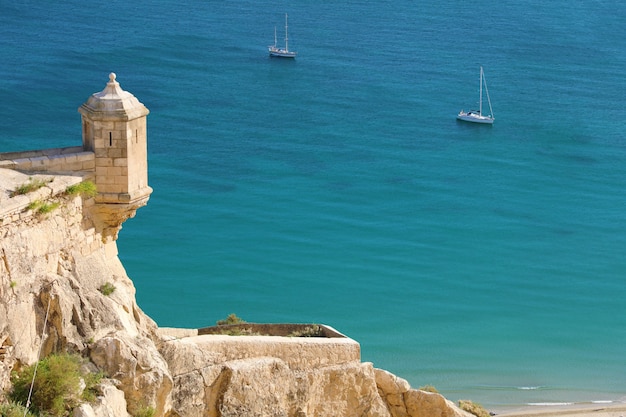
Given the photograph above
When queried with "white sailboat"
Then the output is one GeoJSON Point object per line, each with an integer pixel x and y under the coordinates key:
{"type": "Point", "coordinates": [477, 116]}
{"type": "Point", "coordinates": [274, 50]}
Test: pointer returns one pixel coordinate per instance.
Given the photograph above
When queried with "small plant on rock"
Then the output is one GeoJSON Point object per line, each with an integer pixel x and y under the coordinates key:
{"type": "Point", "coordinates": [474, 408]}
{"type": "Point", "coordinates": [429, 388]}
{"type": "Point", "coordinates": [47, 208]}
{"type": "Point", "coordinates": [42, 207]}
{"type": "Point", "coordinates": [85, 188]}
{"type": "Point", "coordinates": [107, 288]}
{"type": "Point", "coordinates": [231, 319]}
{"type": "Point", "coordinates": [30, 186]}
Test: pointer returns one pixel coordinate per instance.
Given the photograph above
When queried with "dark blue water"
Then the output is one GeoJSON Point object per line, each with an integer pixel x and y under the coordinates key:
{"type": "Point", "coordinates": [339, 188]}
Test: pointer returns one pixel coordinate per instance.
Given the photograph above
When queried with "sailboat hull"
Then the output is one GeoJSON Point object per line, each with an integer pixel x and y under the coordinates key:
{"type": "Point", "coordinates": [281, 53]}
{"type": "Point", "coordinates": [474, 118]}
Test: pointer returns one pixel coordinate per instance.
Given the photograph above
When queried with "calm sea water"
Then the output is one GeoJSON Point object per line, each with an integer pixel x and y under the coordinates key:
{"type": "Point", "coordinates": [339, 188]}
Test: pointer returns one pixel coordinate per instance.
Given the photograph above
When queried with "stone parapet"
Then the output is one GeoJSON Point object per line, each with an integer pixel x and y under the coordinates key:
{"type": "Point", "coordinates": [55, 160]}
{"type": "Point", "coordinates": [40, 152]}
{"type": "Point", "coordinates": [299, 353]}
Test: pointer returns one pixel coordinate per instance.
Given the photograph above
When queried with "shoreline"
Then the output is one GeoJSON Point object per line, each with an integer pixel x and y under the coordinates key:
{"type": "Point", "coordinates": [592, 409]}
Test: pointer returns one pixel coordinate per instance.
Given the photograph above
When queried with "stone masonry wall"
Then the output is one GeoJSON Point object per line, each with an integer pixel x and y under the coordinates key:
{"type": "Point", "coordinates": [55, 160]}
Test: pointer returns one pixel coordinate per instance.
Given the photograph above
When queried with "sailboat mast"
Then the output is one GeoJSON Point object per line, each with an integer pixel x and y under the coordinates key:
{"type": "Point", "coordinates": [480, 87]}
{"type": "Point", "coordinates": [488, 99]}
{"type": "Point", "coordinates": [286, 38]}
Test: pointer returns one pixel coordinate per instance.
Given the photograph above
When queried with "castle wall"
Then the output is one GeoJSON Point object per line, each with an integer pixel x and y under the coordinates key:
{"type": "Point", "coordinates": [55, 160]}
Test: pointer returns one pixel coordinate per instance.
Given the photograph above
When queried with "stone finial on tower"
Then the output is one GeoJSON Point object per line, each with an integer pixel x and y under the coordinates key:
{"type": "Point", "coordinates": [115, 129]}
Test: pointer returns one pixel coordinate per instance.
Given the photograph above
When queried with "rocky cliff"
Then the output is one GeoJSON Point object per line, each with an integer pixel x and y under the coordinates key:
{"type": "Point", "coordinates": [55, 268]}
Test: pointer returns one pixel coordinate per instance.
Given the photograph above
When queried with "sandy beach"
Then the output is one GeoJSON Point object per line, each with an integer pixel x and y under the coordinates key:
{"type": "Point", "coordinates": [571, 410]}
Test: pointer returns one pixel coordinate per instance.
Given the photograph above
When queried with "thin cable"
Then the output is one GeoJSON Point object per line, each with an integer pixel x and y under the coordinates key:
{"type": "Point", "coordinates": [43, 332]}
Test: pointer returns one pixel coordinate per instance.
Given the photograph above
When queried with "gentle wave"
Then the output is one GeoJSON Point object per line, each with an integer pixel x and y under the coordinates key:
{"type": "Point", "coordinates": [512, 387]}
{"type": "Point", "coordinates": [551, 404]}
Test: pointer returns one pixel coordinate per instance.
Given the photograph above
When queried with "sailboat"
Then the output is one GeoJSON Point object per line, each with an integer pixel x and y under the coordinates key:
{"type": "Point", "coordinates": [278, 52]}
{"type": "Point", "coordinates": [478, 116]}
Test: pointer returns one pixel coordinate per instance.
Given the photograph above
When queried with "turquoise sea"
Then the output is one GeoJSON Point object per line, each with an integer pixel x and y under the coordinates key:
{"type": "Point", "coordinates": [339, 188]}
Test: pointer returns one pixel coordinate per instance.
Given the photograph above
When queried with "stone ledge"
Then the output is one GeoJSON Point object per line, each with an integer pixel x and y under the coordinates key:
{"type": "Point", "coordinates": [41, 152]}
{"type": "Point", "coordinates": [59, 160]}
{"type": "Point", "coordinates": [299, 353]}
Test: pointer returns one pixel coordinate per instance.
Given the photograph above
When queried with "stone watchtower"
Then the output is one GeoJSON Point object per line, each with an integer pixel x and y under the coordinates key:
{"type": "Point", "coordinates": [115, 130]}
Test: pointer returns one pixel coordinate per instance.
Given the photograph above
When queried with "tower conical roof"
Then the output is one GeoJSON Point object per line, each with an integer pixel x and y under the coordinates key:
{"type": "Point", "coordinates": [113, 103]}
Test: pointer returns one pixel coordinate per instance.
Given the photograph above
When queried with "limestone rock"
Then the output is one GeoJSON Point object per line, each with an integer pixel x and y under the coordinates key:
{"type": "Point", "coordinates": [263, 387]}
{"type": "Point", "coordinates": [343, 390]}
{"type": "Point", "coordinates": [110, 403]}
{"type": "Point", "coordinates": [135, 362]}
{"type": "Point", "coordinates": [392, 389]}
{"type": "Point", "coordinates": [403, 401]}
{"type": "Point", "coordinates": [428, 404]}
{"type": "Point", "coordinates": [84, 410]}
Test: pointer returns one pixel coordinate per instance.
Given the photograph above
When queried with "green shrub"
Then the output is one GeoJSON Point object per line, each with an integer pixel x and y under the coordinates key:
{"type": "Point", "coordinates": [91, 379]}
{"type": "Point", "coordinates": [41, 207]}
{"type": "Point", "coordinates": [429, 388]}
{"type": "Point", "coordinates": [474, 408]}
{"type": "Point", "coordinates": [46, 208]}
{"type": "Point", "coordinates": [56, 386]}
{"type": "Point", "coordinates": [30, 186]}
{"type": "Point", "coordinates": [14, 410]}
{"type": "Point", "coordinates": [60, 384]}
{"type": "Point", "coordinates": [107, 288]}
{"type": "Point", "coordinates": [231, 319]}
{"type": "Point", "coordinates": [85, 188]}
